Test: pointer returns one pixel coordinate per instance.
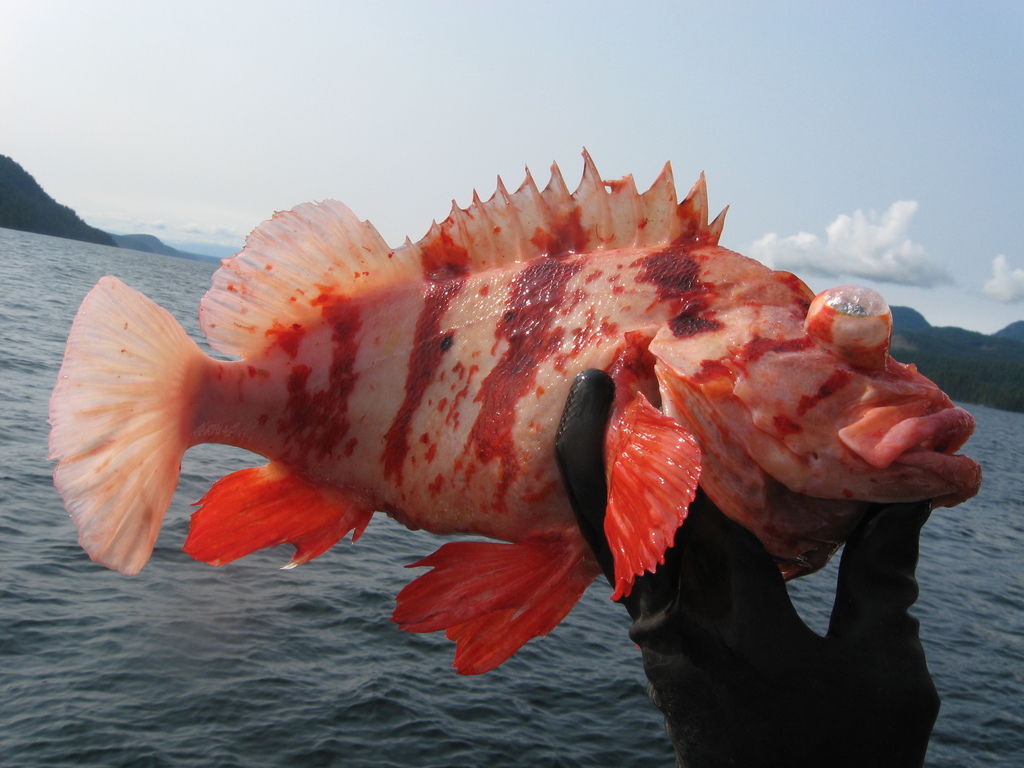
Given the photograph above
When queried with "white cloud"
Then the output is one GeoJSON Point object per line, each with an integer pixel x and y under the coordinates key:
{"type": "Point", "coordinates": [1006, 285]}
{"type": "Point", "coordinates": [862, 245]}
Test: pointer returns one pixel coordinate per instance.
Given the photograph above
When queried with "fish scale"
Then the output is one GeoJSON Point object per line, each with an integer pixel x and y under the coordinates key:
{"type": "Point", "coordinates": [427, 382]}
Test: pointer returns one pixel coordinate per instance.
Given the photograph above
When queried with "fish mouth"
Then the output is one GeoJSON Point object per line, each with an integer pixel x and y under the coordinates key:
{"type": "Point", "coordinates": [886, 438]}
{"type": "Point", "coordinates": [880, 443]}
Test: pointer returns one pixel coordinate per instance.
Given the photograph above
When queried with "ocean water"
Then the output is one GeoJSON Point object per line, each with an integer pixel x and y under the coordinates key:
{"type": "Point", "coordinates": [248, 665]}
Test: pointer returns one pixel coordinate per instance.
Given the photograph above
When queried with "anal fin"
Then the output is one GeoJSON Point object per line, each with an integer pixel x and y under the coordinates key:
{"type": "Point", "coordinates": [265, 506]}
{"type": "Point", "coordinates": [654, 470]}
{"type": "Point", "coordinates": [493, 597]}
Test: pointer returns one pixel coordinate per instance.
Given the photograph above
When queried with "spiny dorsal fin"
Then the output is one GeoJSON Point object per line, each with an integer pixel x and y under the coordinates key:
{"type": "Point", "coordinates": [531, 223]}
{"type": "Point", "coordinates": [289, 262]}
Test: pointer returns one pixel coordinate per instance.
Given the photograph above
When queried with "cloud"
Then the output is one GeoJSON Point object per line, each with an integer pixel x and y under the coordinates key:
{"type": "Point", "coordinates": [1006, 285]}
{"type": "Point", "coordinates": [862, 245]}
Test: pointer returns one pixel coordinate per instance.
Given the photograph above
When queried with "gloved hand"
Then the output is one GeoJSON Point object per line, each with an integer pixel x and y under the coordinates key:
{"type": "Point", "coordinates": [741, 679]}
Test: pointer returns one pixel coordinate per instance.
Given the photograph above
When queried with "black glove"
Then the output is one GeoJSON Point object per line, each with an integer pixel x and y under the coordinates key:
{"type": "Point", "coordinates": [741, 679]}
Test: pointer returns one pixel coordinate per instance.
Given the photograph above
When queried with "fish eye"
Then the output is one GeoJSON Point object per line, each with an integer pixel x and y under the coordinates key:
{"type": "Point", "coordinates": [855, 300]}
{"type": "Point", "coordinates": [854, 322]}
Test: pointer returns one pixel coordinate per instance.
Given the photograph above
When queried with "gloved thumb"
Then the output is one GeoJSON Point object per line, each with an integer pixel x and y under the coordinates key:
{"type": "Point", "coordinates": [877, 584]}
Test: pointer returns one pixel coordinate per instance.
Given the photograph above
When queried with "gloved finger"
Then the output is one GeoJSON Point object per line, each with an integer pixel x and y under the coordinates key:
{"type": "Point", "coordinates": [579, 446]}
{"type": "Point", "coordinates": [876, 584]}
{"type": "Point", "coordinates": [727, 592]}
{"type": "Point", "coordinates": [761, 619]}
{"type": "Point", "coordinates": [675, 609]}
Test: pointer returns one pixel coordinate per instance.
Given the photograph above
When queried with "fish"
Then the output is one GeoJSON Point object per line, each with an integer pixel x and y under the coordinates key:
{"type": "Point", "coordinates": [427, 381]}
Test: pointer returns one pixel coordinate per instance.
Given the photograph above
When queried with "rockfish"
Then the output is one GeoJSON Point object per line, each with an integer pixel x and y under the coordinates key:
{"type": "Point", "coordinates": [427, 382]}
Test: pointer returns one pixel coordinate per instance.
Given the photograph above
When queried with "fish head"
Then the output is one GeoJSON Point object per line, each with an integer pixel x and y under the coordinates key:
{"type": "Point", "coordinates": [895, 420]}
{"type": "Point", "coordinates": [797, 403]}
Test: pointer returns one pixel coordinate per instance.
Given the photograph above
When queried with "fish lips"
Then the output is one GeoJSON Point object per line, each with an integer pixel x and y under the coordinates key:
{"type": "Point", "coordinates": [925, 446]}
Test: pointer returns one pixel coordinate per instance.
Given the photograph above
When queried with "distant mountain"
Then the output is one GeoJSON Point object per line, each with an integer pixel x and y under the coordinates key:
{"type": "Point", "coordinates": [959, 343]}
{"type": "Point", "coordinates": [1013, 331]}
{"type": "Point", "coordinates": [214, 251]}
{"type": "Point", "coordinates": [907, 319]}
{"type": "Point", "coordinates": [25, 206]}
{"type": "Point", "coordinates": [152, 244]}
{"type": "Point", "coordinates": [969, 366]}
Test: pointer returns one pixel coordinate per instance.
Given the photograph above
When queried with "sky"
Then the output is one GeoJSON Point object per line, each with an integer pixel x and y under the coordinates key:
{"type": "Point", "coordinates": [869, 143]}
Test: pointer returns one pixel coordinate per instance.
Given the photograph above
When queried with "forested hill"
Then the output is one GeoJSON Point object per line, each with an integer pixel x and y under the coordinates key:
{"type": "Point", "coordinates": [970, 367]}
{"type": "Point", "coordinates": [26, 207]}
{"type": "Point", "coordinates": [152, 244]}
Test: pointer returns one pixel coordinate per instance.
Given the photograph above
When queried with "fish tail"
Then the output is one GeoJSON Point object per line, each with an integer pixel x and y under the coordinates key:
{"type": "Point", "coordinates": [120, 421]}
{"type": "Point", "coordinates": [493, 597]}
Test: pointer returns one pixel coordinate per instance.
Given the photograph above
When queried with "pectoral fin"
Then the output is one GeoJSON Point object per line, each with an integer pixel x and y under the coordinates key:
{"type": "Point", "coordinates": [654, 466]}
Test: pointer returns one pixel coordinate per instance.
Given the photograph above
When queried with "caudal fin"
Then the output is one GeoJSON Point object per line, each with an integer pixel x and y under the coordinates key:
{"type": "Point", "coordinates": [493, 597]}
{"type": "Point", "coordinates": [120, 420]}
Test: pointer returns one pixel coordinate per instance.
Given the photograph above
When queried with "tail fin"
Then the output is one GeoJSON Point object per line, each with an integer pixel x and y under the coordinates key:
{"type": "Point", "coordinates": [120, 421]}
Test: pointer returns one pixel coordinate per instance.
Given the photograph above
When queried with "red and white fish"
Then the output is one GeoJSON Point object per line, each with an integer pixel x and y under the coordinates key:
{"type": "Point", "coordinates": [427, 382]}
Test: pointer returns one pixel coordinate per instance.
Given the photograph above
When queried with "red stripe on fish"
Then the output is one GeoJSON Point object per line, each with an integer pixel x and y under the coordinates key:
{"type": "Point", "coordinates": [685, 324]}
{"type": "Point", "coordinates": [839, 379]}
{"type": "Point", "coordinates": [320, 416]}
{"type": "Point", "coordinates": [673, 271]}
{"type": "Point", "coordinates": [785, 425]}
{"type": "Point", "coordinates": [287, 338]}
{"type": "Point", "coordinates": [429, 347]}
{"type": "Point", "coordinates": [712, 369]}
{"type": "Point", "coordinates": [532, 335]}
{"type": "Point", "coordinates": [442, 257]}
{"type": "Point", "coordinates": [564, 236]}
{"type": "Point", "coordinates": [758, 346]}
{"type": "Point", "coordinates": [676, 275]}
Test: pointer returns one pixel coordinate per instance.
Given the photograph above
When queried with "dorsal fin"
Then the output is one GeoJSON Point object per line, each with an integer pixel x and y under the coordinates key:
{"type": "Point", "coordinates": [287, 264]}
{"type": "Point", "coordinates": [291, 260]}
{"type": "Point", "coordinates": [531, 223]}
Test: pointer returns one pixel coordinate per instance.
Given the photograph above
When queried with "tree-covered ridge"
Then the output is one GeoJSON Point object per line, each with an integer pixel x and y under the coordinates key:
{"type": "Point", "coordinates": [995, 383]}
{"type": "Point", "coordinates": [25, 206]}
{"type": "Point", "coordinates": [1012, 331]}
{"type": "Point", "coordinates": [970, 367]}
{"type": "Point", "coordinates": [153, 244]}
